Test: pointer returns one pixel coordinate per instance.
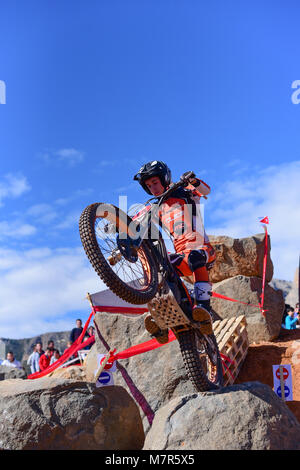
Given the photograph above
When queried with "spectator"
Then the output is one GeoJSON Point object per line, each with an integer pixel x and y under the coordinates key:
{"type": "Point", "coordinates": [32, 360]}
{"type": "Point", "coordinates": [296, 310]}
{"type": "Point", "coordinates": [10, 361]}
{"type": "Point", "coordinates": [51, 346]}
{"type": "Point", "coordinates": [90, 332]}
{"type": "Point", "coordinates": [290, 321]}
{"type": "Point", "coordinates": [39, 353]}
{"type": "Point", "coordinates": [55, 356]}
{"type": "Point", "coordinates": [44, 361]}
{"type": "Point", "coordinates": [286, 307]}
{"type": "Point", "coordinates": [76, 332]}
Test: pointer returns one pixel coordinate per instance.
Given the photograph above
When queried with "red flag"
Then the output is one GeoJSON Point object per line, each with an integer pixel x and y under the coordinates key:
{"type": "Point", "coordinates": [265, 220]}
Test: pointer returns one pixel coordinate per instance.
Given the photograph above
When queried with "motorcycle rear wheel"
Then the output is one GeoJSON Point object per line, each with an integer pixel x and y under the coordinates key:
{"type": "Point", "coordinates": [202, 360]}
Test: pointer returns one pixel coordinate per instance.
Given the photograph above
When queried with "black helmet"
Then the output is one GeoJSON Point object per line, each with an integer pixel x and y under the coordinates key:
{"type": "Point", "coordinates": [155, 168]}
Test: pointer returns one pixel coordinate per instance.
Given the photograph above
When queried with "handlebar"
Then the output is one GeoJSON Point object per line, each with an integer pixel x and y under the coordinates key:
{"type": "Point", "coordinates": [184, 181]}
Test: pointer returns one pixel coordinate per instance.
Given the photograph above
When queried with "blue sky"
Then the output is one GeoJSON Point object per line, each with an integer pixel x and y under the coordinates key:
{"type": "Point", "coordinates": [94, 89]}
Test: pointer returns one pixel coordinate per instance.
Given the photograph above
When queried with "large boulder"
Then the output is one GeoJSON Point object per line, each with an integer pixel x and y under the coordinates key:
{"type": "Point", "coordinates": [53, 414]}
{"type": "Point", "coordinates": [248, 289]}
{"type": "Point", "coordinates": [240, 256]}
{"type": "Point", "coordinates": [240, 417]}
{"type": "Point", "coordinates": [159, 375]}
{"type": "Point", "coordinates": [7, 372]}
{"type": "Point", "coordinates": [70, 372]}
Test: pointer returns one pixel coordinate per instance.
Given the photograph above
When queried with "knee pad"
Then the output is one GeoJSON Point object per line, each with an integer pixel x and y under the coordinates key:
{"type": "Point", "coordinates": [197, 259]}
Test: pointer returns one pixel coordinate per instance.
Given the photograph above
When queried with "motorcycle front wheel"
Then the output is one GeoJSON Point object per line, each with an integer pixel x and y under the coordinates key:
{"type": "Point", "coordinates": [130, 273]}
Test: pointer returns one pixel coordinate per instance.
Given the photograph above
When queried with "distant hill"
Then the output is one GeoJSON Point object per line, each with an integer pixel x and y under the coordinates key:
{"type": "Point", "coordinates": [22, 348]}
{"type": "Point", "coordinates": [280, 284]}
{"type": "Point", "coordinates": [290, 289]}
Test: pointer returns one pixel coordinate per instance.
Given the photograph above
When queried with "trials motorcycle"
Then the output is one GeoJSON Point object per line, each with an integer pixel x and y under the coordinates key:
{"type": "Point", "coordinates": [130, 255]}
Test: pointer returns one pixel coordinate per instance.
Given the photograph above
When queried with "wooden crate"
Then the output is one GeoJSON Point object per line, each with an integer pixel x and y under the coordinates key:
{"type": "Point", "coordinates": [232, 339]}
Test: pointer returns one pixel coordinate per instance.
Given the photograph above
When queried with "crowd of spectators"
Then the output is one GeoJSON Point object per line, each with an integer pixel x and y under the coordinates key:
{"type": "Point", "coordinates": [40, 359]}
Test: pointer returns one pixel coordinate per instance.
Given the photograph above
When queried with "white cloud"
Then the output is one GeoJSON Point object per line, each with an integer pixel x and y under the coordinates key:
{"type": "Point", "coordinates": [13, 186]}
{"type": "Point", "coordinates": [78, 194]}
{"type": "Point", "coordinates": [16, 229]}
{"type": "Point", "coordinates": [106, 163]}
{"type": "Point", "coordinates": [124, 189]}
{"type": "Point", "coordinates": [34, 219]}
{"type": "Point", "coordinates": [272, 192]}
{"type": "Point", "coordinates": [44, 213]}
{"type": "Point", "coordinates": [69, 221]}
{"type": "Point", "coordinates": [39, 287]}
{"type": "Point", "coordinates": [70, 156]}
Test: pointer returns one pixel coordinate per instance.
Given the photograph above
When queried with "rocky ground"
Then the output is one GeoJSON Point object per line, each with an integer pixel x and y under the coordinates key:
{"type": "Point", "coordinates": [61, 414]}
{"type": "Point", "coordinates": [48, 413]}
{"type": "Point", "coordinates": [218, 421]}
{"type": "Point", "coordinates": [67, 411]}
{"type": "Point", "coordinates": [261, 357]}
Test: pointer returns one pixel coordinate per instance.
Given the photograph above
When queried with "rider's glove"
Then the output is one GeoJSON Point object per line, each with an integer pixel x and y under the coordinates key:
{"type": "Point", "coordinates": [189, 177]}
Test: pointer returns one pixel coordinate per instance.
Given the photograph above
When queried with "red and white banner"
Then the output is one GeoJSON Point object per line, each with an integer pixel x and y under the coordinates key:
{"type": "Point", "coordinates": [107, 301]}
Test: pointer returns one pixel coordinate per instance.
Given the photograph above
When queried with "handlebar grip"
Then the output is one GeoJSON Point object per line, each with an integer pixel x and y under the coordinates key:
{"type": "Point", "coordinates": [187, 175]}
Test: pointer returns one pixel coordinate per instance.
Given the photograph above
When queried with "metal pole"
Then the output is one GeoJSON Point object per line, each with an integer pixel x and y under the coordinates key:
{"type": "Point", "coordinates": [282, 383]}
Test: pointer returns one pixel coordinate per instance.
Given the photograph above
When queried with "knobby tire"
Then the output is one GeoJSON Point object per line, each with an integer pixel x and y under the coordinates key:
{"type": "Point", "coordinates": [102, 267]}
{"type": "Point", "coordinates": [193, 365]}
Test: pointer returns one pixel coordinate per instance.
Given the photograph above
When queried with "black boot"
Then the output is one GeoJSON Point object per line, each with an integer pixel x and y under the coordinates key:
{"type": "Point", "coordinates": [162, 336]}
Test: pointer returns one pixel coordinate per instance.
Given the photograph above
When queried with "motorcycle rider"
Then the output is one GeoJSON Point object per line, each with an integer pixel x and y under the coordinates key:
{"type": "Point", "coordinates": [194, 254]}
